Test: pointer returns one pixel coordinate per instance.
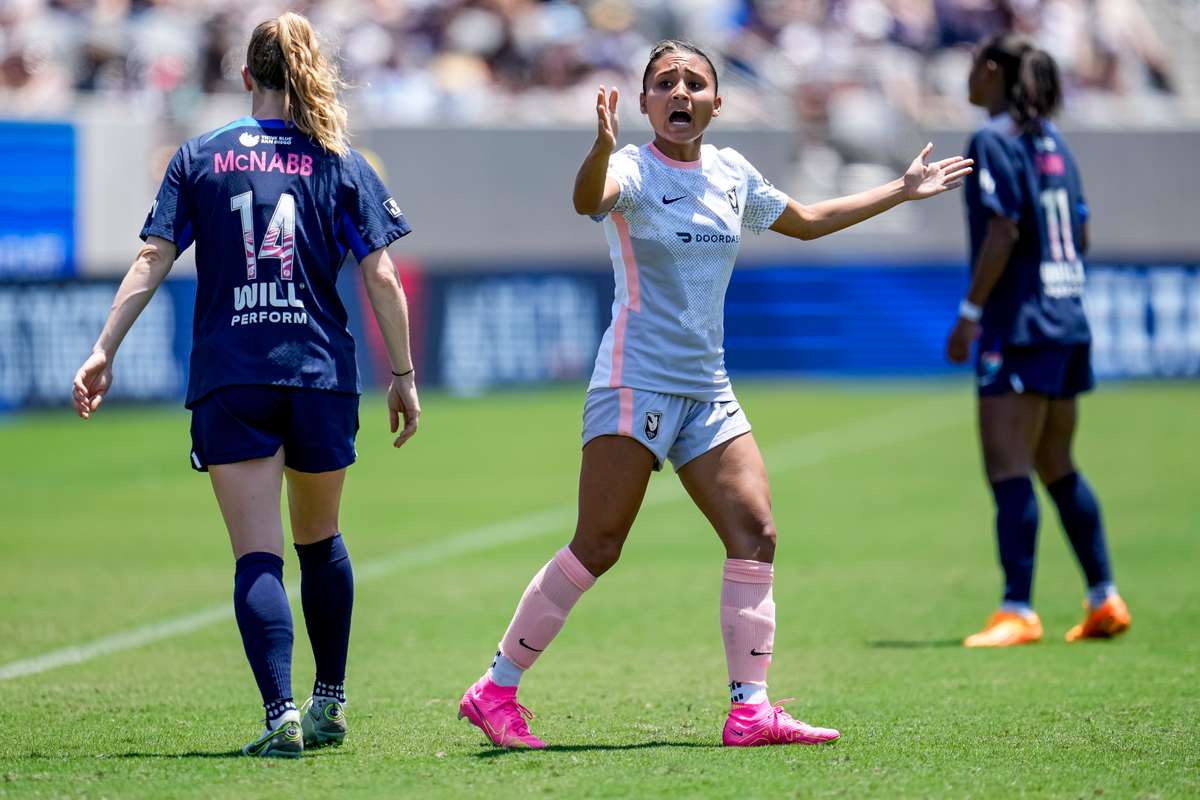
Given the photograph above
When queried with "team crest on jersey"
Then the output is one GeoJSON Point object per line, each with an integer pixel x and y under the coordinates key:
{"type": "Point", "coordinates": [732, 195]}
{"type": "Point", "coordinates": [653, 418]}
{"type": "Point", "coordinates": [392, 207]}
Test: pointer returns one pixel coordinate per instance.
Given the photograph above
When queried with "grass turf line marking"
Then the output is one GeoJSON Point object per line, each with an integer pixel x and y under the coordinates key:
{"type": "Point", "coordinates": [806, 450]}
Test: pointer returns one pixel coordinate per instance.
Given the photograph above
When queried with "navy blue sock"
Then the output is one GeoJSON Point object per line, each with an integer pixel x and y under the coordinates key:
{"type": "Point", "coordinates": [1080, 515]}
{"type": "Point", "coordinates": [1016, 534]}
{"type": "Point", "coordinates": [260, 605]}
{"type": "Point", "coordinates": [327, 595]}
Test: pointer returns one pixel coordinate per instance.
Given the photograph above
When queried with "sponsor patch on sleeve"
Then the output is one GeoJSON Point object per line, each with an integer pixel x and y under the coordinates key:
{"type": "Point", "coordinates": [986, 182]}
{"type": "Point", "coordinates": [392, 207]}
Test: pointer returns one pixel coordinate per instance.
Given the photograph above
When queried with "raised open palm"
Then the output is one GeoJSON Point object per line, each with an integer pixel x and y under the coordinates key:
{"type": "Point", "coordinates": [606, 118]}
{"type": "Point", "coordinates": [923, 179]}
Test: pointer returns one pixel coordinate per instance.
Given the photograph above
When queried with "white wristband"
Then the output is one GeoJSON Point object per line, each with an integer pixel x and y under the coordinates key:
{"type": "Point", "coordinates": [969, 311]}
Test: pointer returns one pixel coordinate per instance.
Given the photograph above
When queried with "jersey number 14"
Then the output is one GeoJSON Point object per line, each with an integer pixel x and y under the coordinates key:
{"type": "Point", "coordinates": [279, 240]}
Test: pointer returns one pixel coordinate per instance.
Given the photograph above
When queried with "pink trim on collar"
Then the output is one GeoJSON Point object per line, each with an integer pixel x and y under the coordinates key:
{"type": "Point", "coordinates": [670, 162]}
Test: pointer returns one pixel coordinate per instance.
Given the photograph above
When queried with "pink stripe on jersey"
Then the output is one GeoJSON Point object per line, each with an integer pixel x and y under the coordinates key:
{"type": "Point", "coordinates": [618, 348]}
{"type": "Point", "coordinates": [629, 262]}
{"type": "Point", "coordinates": [670, 162]}
{"type": "Point", "coordinates": [625, 421]}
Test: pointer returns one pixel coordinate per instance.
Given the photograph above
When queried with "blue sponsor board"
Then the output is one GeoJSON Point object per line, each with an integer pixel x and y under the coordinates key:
{"type": "Point", "coordinates": [893, 321]}
{"type": "Point", "coordinates": [1145, 320]}
{"type": "Point", "coordinates": [840, 320]}
{"type": "Point", "coordinates": [37, 206]}
{"type": "Point", "coordinates": [490, 330]}
{"type": "Point", "coordinates": [47, 328]}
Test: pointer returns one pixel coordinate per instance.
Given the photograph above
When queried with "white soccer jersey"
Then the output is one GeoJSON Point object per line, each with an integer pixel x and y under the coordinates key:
{"type": "Point", "coordinates": [673, 236]}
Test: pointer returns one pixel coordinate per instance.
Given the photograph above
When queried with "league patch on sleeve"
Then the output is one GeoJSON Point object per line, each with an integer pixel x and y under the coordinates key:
{"type": "Point", "coordinates": [986, 182]}
{"type": "Point", "coordinates": [392, 207]}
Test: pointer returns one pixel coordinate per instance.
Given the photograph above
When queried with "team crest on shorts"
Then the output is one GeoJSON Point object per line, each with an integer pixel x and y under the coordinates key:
{"type": "Point", "coordinates": [732, 195]}
{"type": "Point", "coordinates": [990, 364]}
{"type": "Point", "coordinates": [653, 418]}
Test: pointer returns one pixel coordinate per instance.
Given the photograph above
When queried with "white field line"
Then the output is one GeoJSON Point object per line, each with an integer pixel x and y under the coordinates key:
{"type": "Point", "coordinates": [902, 424]}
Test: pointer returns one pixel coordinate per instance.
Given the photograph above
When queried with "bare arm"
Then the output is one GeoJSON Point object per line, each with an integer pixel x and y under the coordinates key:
{"type": "Point", "coordinates": [391, 312]}
{"type": "Point", "coordinates": [829, 216]}
{"type": "Point", "coordinates": [920, 181]}
{"type": "Point", "coordinates": [595, 192]}
{"type": "Point", "coordinates": [998, 243]}
{"type": "Point", "coordinates": [145, 275]}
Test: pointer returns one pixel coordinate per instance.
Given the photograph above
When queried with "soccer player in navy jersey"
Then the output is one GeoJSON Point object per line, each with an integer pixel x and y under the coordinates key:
{"type": "Point", "coordinates": [274, 203]}
{"type": "Point", "coordinates": [1028, 230]}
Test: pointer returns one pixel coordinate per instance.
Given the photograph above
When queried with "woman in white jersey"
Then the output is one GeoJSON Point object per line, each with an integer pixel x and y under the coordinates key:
{"type": "Point", "coordinates": [673, 213]}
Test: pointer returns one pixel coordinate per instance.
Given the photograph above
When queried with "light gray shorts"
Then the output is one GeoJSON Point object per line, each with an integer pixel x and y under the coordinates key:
{"type": "Point", "coordinates": [670, 426]}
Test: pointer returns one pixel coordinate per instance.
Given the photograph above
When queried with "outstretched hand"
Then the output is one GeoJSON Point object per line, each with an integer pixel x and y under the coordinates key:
{"type": "Point", "coordinates": [923, 179]}
{"type": "Point", "coordinates": [92, 382]}
{"type": "Point", "coordinates": [607, 124]}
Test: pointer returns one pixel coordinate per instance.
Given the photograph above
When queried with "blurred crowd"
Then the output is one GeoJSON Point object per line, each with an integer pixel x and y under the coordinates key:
{"type": "Point", "coordinates": [824, 65]}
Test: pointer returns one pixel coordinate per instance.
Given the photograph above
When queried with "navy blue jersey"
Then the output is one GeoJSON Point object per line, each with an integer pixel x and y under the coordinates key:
{"type": "Point", "coordinates": [273, 216]}
{"type": "Point", "coordinates": [1032, 180]}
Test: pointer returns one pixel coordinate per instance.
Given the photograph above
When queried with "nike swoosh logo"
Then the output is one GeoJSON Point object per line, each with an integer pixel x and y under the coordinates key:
{"type": "Point", "coordinates": [527, 647]}
{"type": "Point", "coordinates": [667, 202]}
{"type": "Point", "coordinates": [736, 732]}
{"type": "Point", "coordinates": [754, 652]}
{"type": "Point", "coordinates": [488, 726]}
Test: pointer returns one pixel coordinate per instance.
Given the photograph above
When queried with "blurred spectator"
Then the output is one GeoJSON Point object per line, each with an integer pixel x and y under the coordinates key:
{"type": "Point", "coordinates": [850, 75]}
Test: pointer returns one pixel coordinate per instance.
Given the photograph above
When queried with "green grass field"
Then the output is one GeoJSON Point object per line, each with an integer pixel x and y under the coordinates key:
{"type": "Point", "coordinates": [885, 560]}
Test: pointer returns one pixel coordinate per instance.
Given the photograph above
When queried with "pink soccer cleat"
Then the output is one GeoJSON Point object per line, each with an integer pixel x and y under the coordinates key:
{"type": "Point", "coordinates": [495, 711]}
{"type": "Point", "coordinates": [751, 725]}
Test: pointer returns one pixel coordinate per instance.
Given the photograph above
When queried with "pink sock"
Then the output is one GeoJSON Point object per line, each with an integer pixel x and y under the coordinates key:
{"type": "Point", "coordinates": [748, 619]}
{"type": "Point", "coordinates": [544, 607]}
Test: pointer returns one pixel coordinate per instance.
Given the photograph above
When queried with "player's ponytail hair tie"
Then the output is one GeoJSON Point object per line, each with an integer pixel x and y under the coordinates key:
{"type": "Point", "coordinates": [284, 55]}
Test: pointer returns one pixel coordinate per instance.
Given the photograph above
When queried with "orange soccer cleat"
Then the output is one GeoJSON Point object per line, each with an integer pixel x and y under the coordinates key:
{"type": "Point", "coordinates": [1007, 628]}
{"type": "Point", "coordinates": [1111, 618]}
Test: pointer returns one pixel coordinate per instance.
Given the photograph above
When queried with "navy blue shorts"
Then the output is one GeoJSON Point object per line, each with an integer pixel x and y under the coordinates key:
{"type": "Point", "coordinates": [1055, 371]}
{"type": "Point", "coordinates": [315, 427]}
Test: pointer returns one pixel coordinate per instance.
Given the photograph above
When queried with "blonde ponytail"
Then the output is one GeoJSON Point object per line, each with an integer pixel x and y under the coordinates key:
{"type": "Point", "coordinates": [284, 55]}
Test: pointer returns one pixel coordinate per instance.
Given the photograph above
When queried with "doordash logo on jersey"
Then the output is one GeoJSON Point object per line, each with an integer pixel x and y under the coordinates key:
{"type": "Point", "coordinates": [722, 238]}
{"type": "Point", "coordinates": [256, 161]}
